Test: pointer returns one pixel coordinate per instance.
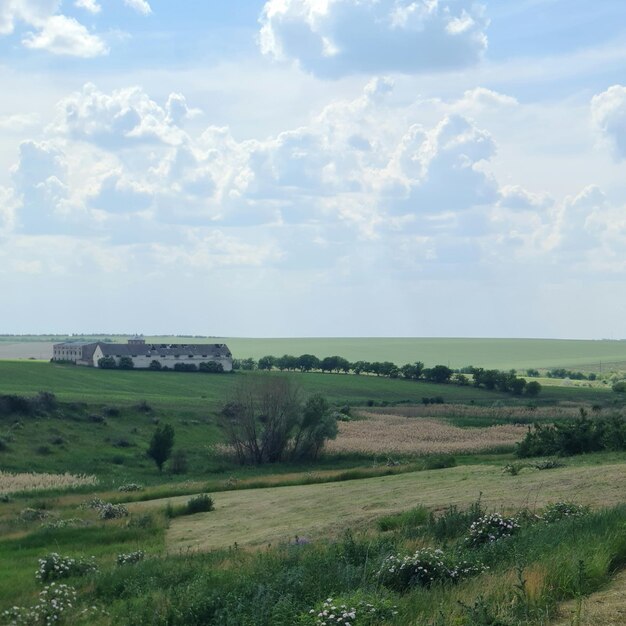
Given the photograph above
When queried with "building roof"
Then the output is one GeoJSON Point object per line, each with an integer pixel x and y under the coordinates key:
{"type": "Point", "coordinates": [160, 349]}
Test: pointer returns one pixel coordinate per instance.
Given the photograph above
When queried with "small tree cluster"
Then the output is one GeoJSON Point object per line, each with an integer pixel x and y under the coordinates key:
{"type": "Point", "coordinates": [267, 421]}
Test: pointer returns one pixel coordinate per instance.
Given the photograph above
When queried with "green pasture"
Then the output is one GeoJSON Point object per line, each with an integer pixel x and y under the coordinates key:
{"type": "Point", "coordinates": [588, 355]}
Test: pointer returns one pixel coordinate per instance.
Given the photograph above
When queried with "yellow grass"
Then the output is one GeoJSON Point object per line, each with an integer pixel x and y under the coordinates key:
{"type": "Point", "coordinates": [391, 433]}
{"type": "Point", "coordinates": [260, 516]}
{"type": "Point", "coordinates": [12, 483]}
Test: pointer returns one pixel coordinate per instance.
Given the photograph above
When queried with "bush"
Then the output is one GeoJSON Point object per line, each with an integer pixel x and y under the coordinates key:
{"type": "Point", "coordinates": [200, 504]}
{"type": "Point", "coordinates": [130, 558]}
{"type": "Point", "coordinates": [113, 511]}
{"type": "Point", "coordinates": [54, 601]}
{"type": "Point", "coordinates": [107, 363]}
{"type": "Point", "coordinates": [54, 566]}
{"type": "Point", "coordinates": [130, 487]}
{"type": "Point", "coordinates": [440, 461]}
{"type": "Point", "coordinates": [356, 609]}
{"type": "Point", "coordinates": [563, 510]}
{"type": "Point", "coordinates": [548, 464]}
{"type": "Point", "coordinates": [185, 367]}
{"type": "Point", "coordinates": [490, 528]}
{"type": "Point", "coordinates": [412, 518]}
{"type": "Point", "coordinates": [620, 387]}
{"type": "Point", "coordinates": [424, 568]}
{"type": "Point", "coordinates": [125, 363]}
{"type": "Point", "coordinates": [211, 367]}
{"type": "Point", "coordinates": [452, 522]}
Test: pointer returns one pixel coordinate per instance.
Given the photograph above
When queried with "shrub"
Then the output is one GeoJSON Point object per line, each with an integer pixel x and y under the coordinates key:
{"type": "Point", "coordinates": [4, 446]}
{"type": "Point", "coordinates": [112, 411]}
{"type": "Point", "coordinates": [107, 363]}
{"type": "Point", "coordinates": [200, 504]}
{"type": "Point", "coordinates": [186, 367]}
{"type": "Point", "coordinates": [452, 522]}
{"type": "Point", "coordinates": [112, 511]}
{"type": "Point", "coordinates": [54, 566]}
{"type": "Point", "coordinates": [130, 558]}
{"type": "Point", "coordinates": [490, 528]}
{"type": "Point", "coordinates": [357, 610]}
{"type": "Point", "coordinates": [43, 450]}
{"type": "Point", "coordinates": [54, 602]}
{"type": "Point", "coordinates": [562, 510]}
{"type": "Point", "coordinates": [33, 515]}
{"type": "Point", "coordinates": [440, 461]}
{"type": "Point", "coordinates": [423, 568]}
{"type": "Point", "coordinates": [130, 487]}
{"type": "Point", "coordinates": [155, 365]}
{"type": "Point", "coordinates": [620, 387]}
{"type": "Point", "coordinates": [548, 464]}
{"type": "Point", "coordinates": [211, 367]}
{"type": "Point", "coordinates": [97, 419]}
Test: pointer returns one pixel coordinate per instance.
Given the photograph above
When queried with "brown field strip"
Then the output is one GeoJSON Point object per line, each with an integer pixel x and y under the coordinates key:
{"type": "Point", "coordinates": [257, 517]}
{"type": "Point", "coordinates": [389, 433]}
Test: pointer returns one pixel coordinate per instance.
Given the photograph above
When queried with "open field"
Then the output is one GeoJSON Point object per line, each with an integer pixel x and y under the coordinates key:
{"type": "Point", "coordinates": [207, 392]}
{"type": "Point", "coordinates": [273, 515]}
{"type": "Point", "coordinates": [604, 355]}
{"type": "Point", "coordinates": [389, 433]}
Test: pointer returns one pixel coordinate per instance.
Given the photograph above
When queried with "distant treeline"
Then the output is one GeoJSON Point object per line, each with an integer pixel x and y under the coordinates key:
{"type": "Point", "coordinates": [441, 374]}
{"type": "Point", "coordinates": [561, 372]}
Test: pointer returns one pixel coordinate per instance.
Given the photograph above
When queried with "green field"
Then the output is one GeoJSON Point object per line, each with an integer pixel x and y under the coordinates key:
{"type": "Point", "coordinates": [604, 355]}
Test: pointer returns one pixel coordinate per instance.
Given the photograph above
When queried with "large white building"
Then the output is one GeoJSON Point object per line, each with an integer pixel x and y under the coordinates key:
{"type": "Point", "coordinates": [143, 354]}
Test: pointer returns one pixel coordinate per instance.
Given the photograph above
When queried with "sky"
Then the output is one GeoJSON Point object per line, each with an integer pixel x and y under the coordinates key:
{"type": "Point", "coordinates": [302, 168]}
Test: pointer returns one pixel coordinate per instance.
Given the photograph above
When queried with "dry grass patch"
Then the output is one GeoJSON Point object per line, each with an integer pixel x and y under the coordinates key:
{"type": "Point", "coordinates": [260, 516]}
{"type": "Point", "coordinates": [13, 483]}
{"type": "Point", "coordinates": [390, 433]}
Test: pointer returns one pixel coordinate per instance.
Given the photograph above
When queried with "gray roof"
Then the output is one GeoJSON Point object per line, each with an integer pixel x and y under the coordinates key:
{"type": "Point", "coordinates": [207, 350]}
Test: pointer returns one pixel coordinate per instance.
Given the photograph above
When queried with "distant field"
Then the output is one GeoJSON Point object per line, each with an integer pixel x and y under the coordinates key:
{"type": "Point", "coordinates": [455, 352]}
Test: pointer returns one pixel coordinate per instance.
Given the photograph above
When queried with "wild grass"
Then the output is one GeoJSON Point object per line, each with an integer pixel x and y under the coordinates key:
{"type": "Point", "coordinates": [390, 433]}
{"type": "Point", "coordinates": [30, 481]}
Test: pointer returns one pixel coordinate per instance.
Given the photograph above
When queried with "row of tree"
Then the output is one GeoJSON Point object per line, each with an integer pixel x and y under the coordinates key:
{"type": "Point", "coordinates": [507, 382]}
{"type": "Point", "coordinates": [126, 363]}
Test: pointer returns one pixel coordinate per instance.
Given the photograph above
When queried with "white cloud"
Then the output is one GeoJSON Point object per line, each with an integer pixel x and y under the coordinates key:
{"type": "Point", "coordinates": [338, 37]}
{"type": "Point", "coordinates": [66, 36]}
{"type": "Point", "coordinates": [89, 5]}
{"type": "Point", "coordinates": [32, 12]}
{"type": "Point", "coordinates": [141, 6]}
{"type": "Point", "coordinates": [608, 112]}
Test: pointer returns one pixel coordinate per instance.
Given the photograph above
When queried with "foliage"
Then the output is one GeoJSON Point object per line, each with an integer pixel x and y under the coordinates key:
{"type": "Point", "coordinates": [558, 511]}
{"type": "Point", "coordinates": [489, 528]}
{"type": "Point", "coordinates": [424, 568]}
{"type": "Point", "coordinates": [454, 522]}
{"type": "Point", "coordinates": [413, 518]}
{"type": "Point", "coordinates": [125, 363]}
{"type": "Point", "coordinates": [129, 558]}
{"type": "Point", "coordinates": [112, 511]}
{"type": "Point", "coordinates": [54, 567]}
{"type": "Point", "coordinates": [200, 504]}
{"type": "Point", "coordinates": [161, 445]}
{"type": "Point", "coordinates": [56, 603]}
{"type": "Point", "coordinates": [130, 487]}
{"type": "Point", "coordinates": [211, 367]}
{"type": "Point", "coordinates": [267, 422]}
{"type": "Point", "coordinates": [353, 610]}
{"type": "Point", "coordinates": [185, 367]}
{"type": "Point", "coordinates": [155, 365]}
{"type": "Point", "coordinates": [107, 363]}
{"type": "Point", "coordinates": [620, 386]}
{"type": "Point", "coordinates": [575, 437]}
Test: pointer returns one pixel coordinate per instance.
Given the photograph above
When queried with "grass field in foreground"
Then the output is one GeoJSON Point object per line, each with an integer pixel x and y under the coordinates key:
{"type": "Point", "coordinates": [596, 355]}
{"type": "Point", "coordinates": [264, 516]}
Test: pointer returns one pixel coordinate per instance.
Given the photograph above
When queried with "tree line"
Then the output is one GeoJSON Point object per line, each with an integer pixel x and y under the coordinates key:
{"type": "Point", "coordinates": [491, 379]}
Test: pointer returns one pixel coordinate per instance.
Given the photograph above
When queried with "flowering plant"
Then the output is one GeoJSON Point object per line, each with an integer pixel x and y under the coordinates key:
{"type": "Point", "coordinates": [350, 612]}
{"type": "Point", "coordinates": [560, 510]}
{"type": "Point", "coordinates": [489, 528]}
{"type": "Point", "coordinates": [424, 568]}
{"type": "Point", "coordinates": [54, 566]}
{"type": "Point", "coordinates": [54, 603]}
{"type": "Point", "coordinates": [130, 557]}
{"type": "Point", "coordinates": [130, 487]}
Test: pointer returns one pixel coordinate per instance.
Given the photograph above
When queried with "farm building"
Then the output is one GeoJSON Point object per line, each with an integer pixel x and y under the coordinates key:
{"type": "Point", "coordinates": [143, 354]}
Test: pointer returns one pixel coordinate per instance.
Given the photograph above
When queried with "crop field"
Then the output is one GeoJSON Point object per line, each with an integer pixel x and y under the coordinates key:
{"type": "Point", "coordinates": [390, 433]}
{"type": "Point", "coordinates": [31, 481]}
{"type": "Point", "coordinates": [604, 355]}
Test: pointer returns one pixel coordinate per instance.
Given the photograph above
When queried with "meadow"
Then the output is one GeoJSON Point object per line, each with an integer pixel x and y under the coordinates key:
{"type": "Point", "coordinates": [401, 479]}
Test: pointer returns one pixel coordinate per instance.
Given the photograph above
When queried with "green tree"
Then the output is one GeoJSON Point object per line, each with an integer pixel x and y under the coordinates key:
{"type": "Point", "coordinates": [161, 445]}
{"type": "Point", "coordinates": [533, 388]}
{"type": "Point", "coordinates": [107, 363]}
{"type": "Point", "coordinates": [267, 362]}
{"type": "Point", "coordinates": [125, 363]}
